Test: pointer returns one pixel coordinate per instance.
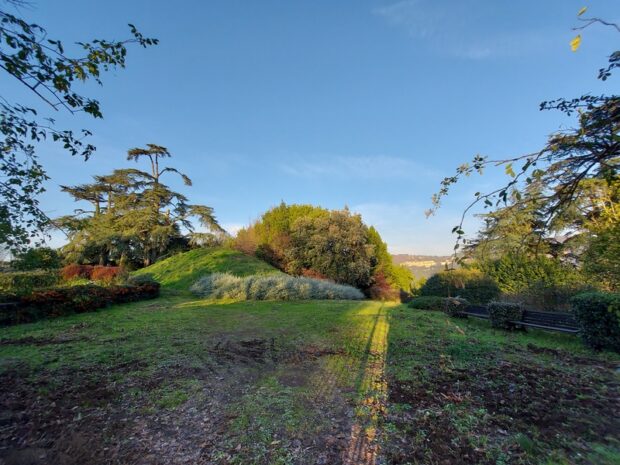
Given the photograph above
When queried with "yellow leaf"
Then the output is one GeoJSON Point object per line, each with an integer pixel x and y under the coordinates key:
{"type": "Point", "coordinates": [582, 11]}
{"type": "Point", "coordinates": [575, 43]}
{"type": "Point", "coordinates": [509, 170]}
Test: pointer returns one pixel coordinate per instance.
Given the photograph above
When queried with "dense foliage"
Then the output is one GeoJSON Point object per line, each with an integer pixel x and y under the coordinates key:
{"type": "Point", "coordinates": [55, 302]}
{"type": "Point", "coordinates": [517, 273]}
{"type": "Point", "coordinates": [598, 315]}
{"type": "Point", "coordinates": [455, 307]}
{"type": "Point", "coordinates": [601, 261]}
{"type": "Point", "coordinates": [276, 287]}
{"type": "Point", "coordinates": [561, 204]}
{"type": "Point", "coordinates": [427, 302]}
{"type": "Point", "coordinates": [104, 274]}
{"type": "Point", "coordinates": [76, 271]}
{"type": "Point", "coordinates": [335, 246]}
{"type": "Point", "coordinates": [540, 282]}
{"type": "Point", "coordinates": [135, 218]}
{"type": "Point", "coordinates": [40, 258]}
{"type": "Point", "coordinates": [23, 282]}
{"type": "Point", "coordinates": [503, 314]}
{"type": "Point", "coordinates": [311, 241]}
{"type": "Point", "coordinates": [40, 63]}
{"type": "Point", "coordinates": [472, 285]}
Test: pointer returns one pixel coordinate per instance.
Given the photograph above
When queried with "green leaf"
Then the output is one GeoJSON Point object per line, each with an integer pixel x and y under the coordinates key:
{"type": "Point", "coordinates": [509, 170]}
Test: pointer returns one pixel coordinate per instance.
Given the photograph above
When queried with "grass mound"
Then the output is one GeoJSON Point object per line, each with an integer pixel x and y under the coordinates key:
{"type": "Point", "coordinates": [282, 287]}
{"type": "Point", "coordinates": [181, 271]}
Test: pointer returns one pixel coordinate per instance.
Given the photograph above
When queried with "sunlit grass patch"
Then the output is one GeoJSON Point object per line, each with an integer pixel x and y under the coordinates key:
{"type": "Point", "coordinates": [180, 271]}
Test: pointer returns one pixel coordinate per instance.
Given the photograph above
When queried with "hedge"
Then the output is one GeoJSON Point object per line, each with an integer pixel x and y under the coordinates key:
{"type": "Point", "coordinates": [598, 315]}
{"type": "Point", "coordinates": [472, 285]}
{"type": "Point", "coordinates": [55, 302]}
{"type": "Point", "coordinates": [455, 307]}
{"type": "Point", "coordinates": [501, 314]}
{"type": "Point", "coordinates": [108, 274]}
{"type": "Point", "coordinates": [427, 302]}
{"type": "Point", "coordinates": [277, 287]}
{"type": "Point", "coordinates": [23, 282]}
{"type": "Point", "coordinates": [75, 271]}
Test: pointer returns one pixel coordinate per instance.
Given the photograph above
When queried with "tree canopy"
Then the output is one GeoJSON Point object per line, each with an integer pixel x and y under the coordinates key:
{"type": "Point", "coordinates": [569, 188]}
{"type": "Point", "coordinates": [50, 73]}
{"type": "Point", "coordinates": [135, 216]}
{"type": "Point", "coordinates": [332, 244]}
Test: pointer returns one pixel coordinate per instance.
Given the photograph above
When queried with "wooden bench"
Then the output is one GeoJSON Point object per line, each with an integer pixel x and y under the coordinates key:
{"type": "Point", "coordinates": [5, 305]}
{"type": "Point", "coordinates": [550, 321]}
{"type": "Point", "coordinates": [478, 311]}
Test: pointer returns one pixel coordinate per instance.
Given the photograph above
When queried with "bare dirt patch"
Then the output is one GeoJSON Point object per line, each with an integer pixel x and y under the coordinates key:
{"type": "Point", "coordinates": [100, 415]}
{"type": "Point", "coordinates": [468, 416]}
{"type": "Point", "coordinates": [42, 341]}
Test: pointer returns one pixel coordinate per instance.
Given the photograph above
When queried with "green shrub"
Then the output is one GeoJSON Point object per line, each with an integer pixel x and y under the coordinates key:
{"type": "Point", "coordinates": [549, 297]}
{"type": "Point", "coordinates": [55, 302]}
{"type": "Point", "coordinates": [501, 314]}
{"type": "Point", "coordinates": [471, 285]}
{"type": "Point", "coordinates": [42, 258]}
{"type": "Point", "coordinates": [276, 287]}
{"type": "Point", "coordinates": [601, 260]}
{"type": "Point", "coordinates": [455, 307]}
{"type": "Point", "coordinates": [23, 282]}
{"type": "Point", "coordinates": [516, 273]}
{"type": "Point", "coordinates": [598, 315]}
{"type": "Point", "coordinates": [427, 302]}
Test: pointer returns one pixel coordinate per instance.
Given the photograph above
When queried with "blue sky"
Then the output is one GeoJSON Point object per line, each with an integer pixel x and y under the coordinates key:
{"type": "Point", "coordinates": [360, 103]}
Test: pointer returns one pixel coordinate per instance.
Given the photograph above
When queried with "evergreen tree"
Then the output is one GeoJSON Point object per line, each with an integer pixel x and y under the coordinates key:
{"type": "Point", "coordinates": [135, 216]}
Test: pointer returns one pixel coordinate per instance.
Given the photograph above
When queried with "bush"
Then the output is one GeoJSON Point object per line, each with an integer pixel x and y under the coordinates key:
{"type": "Point", "coordinates": [55, 302]}
{"type": "Point", "coordinates": [42, 258]}
{"type": "Point", "coordinates": [472, 285]}
{"type": "Point", "coordinates": [501, 314]}
{"type": "Point", "coordinates": [75, 271]}
{"type": "Point", "coordinates": [598, 315]}
{"type": "Point", "coordinates": [145, 278]}
{"type": "Point", "coordinates": [107, 274]}
{"type": "Point", "coordinates": [23, 282]}
{"type": "Point", "coordinates": [455, 307]}
{"type": "Point", "coordinates": [381, 289]}
{"type": "Point", "coordinates": [428, 302]}
{"type": "Point", "coordinates": [548, 297]}
{"type": "Point", "coordinates": [277, 287]}
{"type": "Point", "coordinates": [515, 274]}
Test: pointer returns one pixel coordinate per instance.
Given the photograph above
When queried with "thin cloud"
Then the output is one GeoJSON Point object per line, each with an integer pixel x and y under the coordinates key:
{"type": "Point", "coordinates": [356, 167]}
{"type": "Point", "coordinates": [459, 29]}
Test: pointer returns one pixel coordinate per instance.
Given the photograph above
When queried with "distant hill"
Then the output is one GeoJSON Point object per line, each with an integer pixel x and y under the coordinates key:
{"type": "Point", "coordinates": [182, 270]}
{"type": "Point", "coordinates": [423, 266]}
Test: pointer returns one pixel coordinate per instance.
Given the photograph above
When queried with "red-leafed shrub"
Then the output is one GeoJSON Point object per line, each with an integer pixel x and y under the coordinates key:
{"type": "Point", "coordinates": [310, 273]}
{"type": "Point", "coordinates": [75, 271]}
{"type": "Point", "coordinates": [107, 274]}
{"type": "Point", "coordinates": [51, 303]}
{"type": "Point", "coordinates": [381, 289]}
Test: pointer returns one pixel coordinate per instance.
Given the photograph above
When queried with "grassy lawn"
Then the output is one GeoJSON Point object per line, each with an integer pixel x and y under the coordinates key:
{"type": "Point", "coordinates": [180, 271]}
{"type": "Point", "coordinates": [178, 380]}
